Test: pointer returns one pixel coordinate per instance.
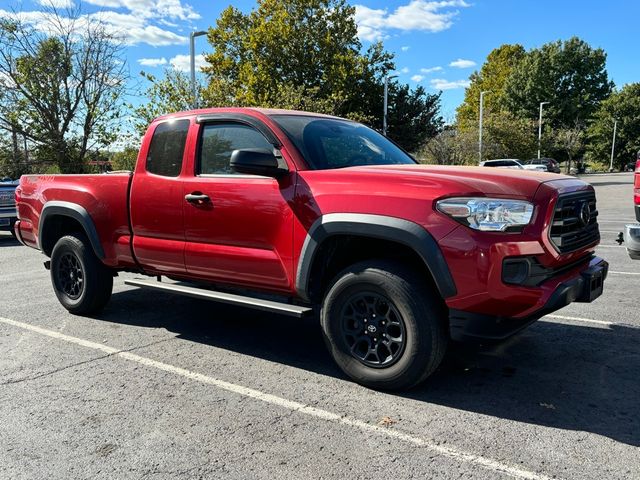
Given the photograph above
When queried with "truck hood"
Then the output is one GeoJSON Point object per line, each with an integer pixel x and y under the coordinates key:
{"type": "Point", "coordinates": [465, 180]}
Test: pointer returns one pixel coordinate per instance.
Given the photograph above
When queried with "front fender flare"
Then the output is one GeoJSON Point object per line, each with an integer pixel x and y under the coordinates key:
{"type": "Point", "coordinates": [377, 226]}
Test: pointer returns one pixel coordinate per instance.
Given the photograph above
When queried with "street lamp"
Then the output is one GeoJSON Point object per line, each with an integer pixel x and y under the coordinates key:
{"type": "Point", "coordinates": [192, 54]}
{"type": "Point", "coordinates": [386, 94]}
{"type": "Point", "coordinates": [480, 126]}
{"type": "Point", "coordinates": [540, 127]}
{"type": "Point", "coordinates": [613, 144]}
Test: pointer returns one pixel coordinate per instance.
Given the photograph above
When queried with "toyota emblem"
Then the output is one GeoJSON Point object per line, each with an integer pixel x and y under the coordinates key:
{"type": "Point", "coordinates": [585, 213]}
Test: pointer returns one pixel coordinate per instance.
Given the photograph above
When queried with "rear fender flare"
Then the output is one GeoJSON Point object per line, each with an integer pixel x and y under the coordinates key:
{"type": "Point", "coordinates": [78, 213]}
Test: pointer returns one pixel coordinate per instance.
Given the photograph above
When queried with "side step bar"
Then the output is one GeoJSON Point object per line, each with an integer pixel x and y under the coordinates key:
{"type": "Point", "coordinates": [230, 298]}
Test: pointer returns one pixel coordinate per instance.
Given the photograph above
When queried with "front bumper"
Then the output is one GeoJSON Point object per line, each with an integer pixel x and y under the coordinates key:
{"type": "Point", "coordinates": [632, 240]}
{"type": "Point", "coordinates": [583, 285]}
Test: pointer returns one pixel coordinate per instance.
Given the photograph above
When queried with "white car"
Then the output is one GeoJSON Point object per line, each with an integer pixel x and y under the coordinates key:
{"type": "Point", "coordinates": [512, 163]}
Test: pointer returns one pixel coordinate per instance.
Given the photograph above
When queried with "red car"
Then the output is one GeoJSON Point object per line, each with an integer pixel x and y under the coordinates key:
{"type": "Point", "coordinates": [632, 232]}
{"type": "Point", "coordinates": [325, 215]}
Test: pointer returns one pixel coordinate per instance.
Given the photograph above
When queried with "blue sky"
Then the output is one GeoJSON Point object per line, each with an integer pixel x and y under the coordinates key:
{"type": "Point", "coordinates": [438, 44]}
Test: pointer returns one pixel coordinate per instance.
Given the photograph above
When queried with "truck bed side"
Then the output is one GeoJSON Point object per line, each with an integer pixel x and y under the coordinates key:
{"type": "Point", "coordinates": [51, 206]}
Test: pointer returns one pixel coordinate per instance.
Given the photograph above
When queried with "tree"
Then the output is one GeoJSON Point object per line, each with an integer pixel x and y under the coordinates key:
{"type": "Point", "coordinates": [451, 147]}
{"type": "Point", "coordinates": [299, 53]}
{"type": "Point", "coordinates": [570, 140]}
{"type": "Point", "coordinates": [571, 75]}
{"type": "Point", "coordinates": [125, 159]}
{"type": "Point", "coordinates": [623, 105]}
{"type": "Point", "coordinates": [414, 116]}
{"type": "Point", "coordinates": [492, 78]}
{"type": "Point", "coordinates": [62, 83]}
{"type": "Point", "coordinates": [171, 93]}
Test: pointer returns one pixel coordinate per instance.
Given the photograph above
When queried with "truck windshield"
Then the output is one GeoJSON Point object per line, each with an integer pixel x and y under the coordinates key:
{"type": "Point", "coordinates": [328, 143]}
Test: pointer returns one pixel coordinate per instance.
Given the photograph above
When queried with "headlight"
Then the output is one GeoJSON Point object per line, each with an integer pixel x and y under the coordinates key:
{"type": "Point", "coordinates": [487, 214]}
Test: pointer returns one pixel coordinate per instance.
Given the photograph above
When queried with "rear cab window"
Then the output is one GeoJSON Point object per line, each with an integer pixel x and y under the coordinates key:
{"type": "Point", "coordinates": [166, 150]}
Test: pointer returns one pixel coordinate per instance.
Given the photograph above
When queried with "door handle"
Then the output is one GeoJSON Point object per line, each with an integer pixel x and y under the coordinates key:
{"type": "Point", "coordinates": [197, 198]}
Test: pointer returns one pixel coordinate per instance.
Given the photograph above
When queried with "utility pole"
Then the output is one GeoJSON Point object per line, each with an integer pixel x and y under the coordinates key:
{"type": "Point", "coordinates": [192, 54]}
{"type": "Point", "coordinates": [385, 103]}
{"type": "Point", "coordinates": [540, 127]}
{"type": "Point", "coordinates": [613, 144]}
{"type": "Point", "coordinates": [480, 126]}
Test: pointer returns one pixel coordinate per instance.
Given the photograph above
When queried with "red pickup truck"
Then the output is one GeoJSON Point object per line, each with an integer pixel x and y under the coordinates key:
{"type": "Point", "coordinates": [632, 231]}
{"type": "Point", "coordinates": [301, 213]}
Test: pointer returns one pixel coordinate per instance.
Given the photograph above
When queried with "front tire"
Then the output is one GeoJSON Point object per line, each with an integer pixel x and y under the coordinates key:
{"type": "Point", "coordinates": [80, 280]}
{"type": "Point", "coordinates": [383, 325]}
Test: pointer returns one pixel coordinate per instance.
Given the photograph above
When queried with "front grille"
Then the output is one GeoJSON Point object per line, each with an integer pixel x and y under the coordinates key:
{"type": "Point", "coordinates": [7, 198]}
{"type": "Point", "coordinates": [572, 228]}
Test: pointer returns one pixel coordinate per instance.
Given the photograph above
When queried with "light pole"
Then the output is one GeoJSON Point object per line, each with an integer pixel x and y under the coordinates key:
{"type": "Point", "coordinates": [540, 127]}
{"type": "Point", "coordinates": [192, 54]}
{"type": "Point", "coordinates": [613, 144]}
{"type": "Point", "coordinates": [386, 94]}
{"type": "Point", "coordinates": [480, 126]}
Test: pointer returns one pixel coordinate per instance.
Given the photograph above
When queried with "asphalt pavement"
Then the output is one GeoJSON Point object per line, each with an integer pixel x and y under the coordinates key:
{"type": "Point", "coordinates": [161, 386]}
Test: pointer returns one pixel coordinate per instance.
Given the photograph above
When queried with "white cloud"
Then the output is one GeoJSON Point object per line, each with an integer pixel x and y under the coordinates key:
{"type": "Point", "coordinates": [152, 62]}
{"type": "Point", "coordinates": [417, 78]}
{"type": "Point", "coordinates": [152, 8]}
{"type": "Point", "coordinates": [130, 28]}
{"type": "Point", "coordinates": [182, 62]}
{"type": "Point", "coordinates": [404, 70]}
{"type": "Point", "coordinates": [56, 3]}
{"type": "Point", "coordinates": [442, 84]}
{"type": "Point", "coordinates": [431, 70]}
{"type": "Point", "coordinates": [405, 48]}
{"type": "Point", "coordinates": [421, 15]}
{"type": "Point", "coordinates": [460, 63]}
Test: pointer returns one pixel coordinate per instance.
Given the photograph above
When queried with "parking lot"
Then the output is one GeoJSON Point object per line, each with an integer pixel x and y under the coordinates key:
{"type": "Point", "coordinates": [162, 386]}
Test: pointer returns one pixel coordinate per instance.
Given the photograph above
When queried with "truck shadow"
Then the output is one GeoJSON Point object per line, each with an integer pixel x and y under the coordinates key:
{"type": "Point", "coordinates": [7, 240]}
{"type": "Point", "coordinates": [555, 375]}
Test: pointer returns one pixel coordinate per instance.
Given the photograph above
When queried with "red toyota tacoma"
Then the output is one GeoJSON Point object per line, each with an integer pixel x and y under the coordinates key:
{"type": "Point", "coordinates": [299, 213]}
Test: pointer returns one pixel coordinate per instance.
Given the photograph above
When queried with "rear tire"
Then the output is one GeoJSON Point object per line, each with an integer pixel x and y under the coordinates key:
{"type": "Point", "coordinates": [82, 283]}
{"type": "Point", "coordinates": [383, 325]}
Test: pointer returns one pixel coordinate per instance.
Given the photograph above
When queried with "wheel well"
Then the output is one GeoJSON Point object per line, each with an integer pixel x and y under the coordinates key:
{"type": "Point", "coordinates": [56, 227]}
{"type": "Point", "coordinates": [339, 251]}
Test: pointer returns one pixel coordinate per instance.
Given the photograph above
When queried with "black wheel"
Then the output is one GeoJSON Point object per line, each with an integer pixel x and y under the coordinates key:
{"type": "Point", "coordinates": [383, 325]}
{"type": "Point", "coordinates": [81, 281]}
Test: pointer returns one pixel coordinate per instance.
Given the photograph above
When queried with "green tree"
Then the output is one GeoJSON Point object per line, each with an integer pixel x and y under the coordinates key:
{"type": "Point", "coordinates": [623, 105]}
{"type": "Point", "coordinates": [570, 141]}
{"type": "Point", "coordinates": [170, 93]}
{"type": "Point", "coordinates": [492, 78]}
{"type": "Point", "coordinates": [61, 89]}
{"type": "Point", "coordinates": [570, 74]}
{"type": "Point", "coordinates": [303, 51]}
{"type": "Point", "coordinates": [125, 159]}
{"type": "Point", "coordinates": [414, 116]}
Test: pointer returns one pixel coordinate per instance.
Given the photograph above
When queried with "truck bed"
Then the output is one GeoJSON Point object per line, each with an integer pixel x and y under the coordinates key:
{"type": "Point", "coordinates": [103, 196]}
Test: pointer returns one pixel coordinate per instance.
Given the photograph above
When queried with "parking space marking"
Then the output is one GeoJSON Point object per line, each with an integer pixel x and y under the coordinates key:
{"type": "Point", "coordinates": [579, 319]}
{"type": "Point", "coordinates": [447, 451]}
{"type": "Point", "coordinates": [610, 246]}
{"type": "Point", "coordinates": [625, 273]}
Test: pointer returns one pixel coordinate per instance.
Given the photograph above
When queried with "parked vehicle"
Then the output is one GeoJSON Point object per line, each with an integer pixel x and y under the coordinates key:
{"type": "Point", "coordinates": [329, 217]}
{"type": "Point", "coordinates": [632, 231]}
{"type": "Point", "coordinates": [503, 163]}
{"type": "Point", "coordinates": [7, 205]}
{"type": "Point", "coordinates": [548, 164]}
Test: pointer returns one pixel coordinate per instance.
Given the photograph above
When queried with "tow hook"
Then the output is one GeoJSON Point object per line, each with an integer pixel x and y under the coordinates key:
{"type": "Point", "coordinates": [620, 238]}
{"type": "Point", "coordinates": [47, 264]}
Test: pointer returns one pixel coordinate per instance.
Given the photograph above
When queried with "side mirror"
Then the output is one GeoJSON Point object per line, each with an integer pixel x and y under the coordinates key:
{"type": "Point", "coordinates": [256, 161]}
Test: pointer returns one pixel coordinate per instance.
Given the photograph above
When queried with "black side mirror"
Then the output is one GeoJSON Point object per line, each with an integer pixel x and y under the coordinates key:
{"type": "Point", "coordinates": [256, 161]}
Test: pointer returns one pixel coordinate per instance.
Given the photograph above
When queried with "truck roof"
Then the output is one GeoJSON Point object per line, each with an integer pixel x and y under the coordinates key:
{"type": "Point", "coordinates": [264, 111]}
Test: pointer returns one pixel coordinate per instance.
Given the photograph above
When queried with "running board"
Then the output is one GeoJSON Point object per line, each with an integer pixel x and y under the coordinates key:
{"type": "Point", "coordinates": [240, 300]}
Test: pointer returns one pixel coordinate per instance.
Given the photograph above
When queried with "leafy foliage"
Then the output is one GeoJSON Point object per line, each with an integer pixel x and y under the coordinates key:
{"type": "Point", "coordinates": [571, 75]}
{"type": "Point", "coordinates": [623, 105]}
{"type": "Point", "coordinates": [61, 90]}
{"type": "Point", "coordinates": [125, 159]}
{"type": "Point", "coordinates": [168, 94]}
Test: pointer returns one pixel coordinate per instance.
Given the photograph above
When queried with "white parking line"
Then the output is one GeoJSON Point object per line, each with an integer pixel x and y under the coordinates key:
{"type": "Point", "coordinates": [447, 451]}
{"type": "Point", "coordinates": [625, 273]}
{"type": "Point", "coordinates": [578, 319]}
{"type": "Point", "coordinates": [610, 246]}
